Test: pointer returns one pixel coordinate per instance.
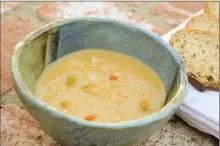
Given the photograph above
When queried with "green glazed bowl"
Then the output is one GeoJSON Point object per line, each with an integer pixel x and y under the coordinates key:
{"type": "Point", "coordinates": [28, 62]}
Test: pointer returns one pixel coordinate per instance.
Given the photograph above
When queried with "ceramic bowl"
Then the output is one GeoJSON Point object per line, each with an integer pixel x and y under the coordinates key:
{"type": "Point", "coordinates": [28, 62]}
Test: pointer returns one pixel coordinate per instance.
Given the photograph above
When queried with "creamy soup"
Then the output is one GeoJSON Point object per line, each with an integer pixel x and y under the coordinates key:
{"type": "Point", "coordinates": [101, 86]}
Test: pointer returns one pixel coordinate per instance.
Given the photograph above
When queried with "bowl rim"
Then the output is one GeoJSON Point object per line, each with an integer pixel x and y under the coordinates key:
{"type": "Point", "coordinates": [161, 114]}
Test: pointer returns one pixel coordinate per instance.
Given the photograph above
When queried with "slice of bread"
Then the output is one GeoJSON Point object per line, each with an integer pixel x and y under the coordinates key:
{"type": "Point", "coordinates": [204, 22]}
{"type": "Point", "coordinates": [212, 8]}
{"type": "Point", "coordinates": [200, 53]}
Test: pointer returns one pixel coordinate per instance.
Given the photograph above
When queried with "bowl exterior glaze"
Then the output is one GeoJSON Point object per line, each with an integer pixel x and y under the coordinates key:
{"type": "Point", "coordinates": [28, 62]}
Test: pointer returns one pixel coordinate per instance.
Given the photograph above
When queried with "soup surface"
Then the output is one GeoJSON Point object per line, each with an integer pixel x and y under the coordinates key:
{"type": "Point", "coordinates": [101, 86]}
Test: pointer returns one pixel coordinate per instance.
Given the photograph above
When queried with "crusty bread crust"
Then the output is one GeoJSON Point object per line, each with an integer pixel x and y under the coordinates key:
{"type": "Point", "coordinates": [201, 15]}
{"type": "Point", "coordinates": [207, 9]}
{"type": "Point", "coordinates": [198, 85]}
{"type": "Point", "coordinates": [201, 85]}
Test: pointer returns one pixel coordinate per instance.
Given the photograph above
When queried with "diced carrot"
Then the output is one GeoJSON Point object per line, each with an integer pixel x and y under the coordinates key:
{"type": "Point", "coordinates": [113, 78]}
{"type": "Point", "coordinates": [90, 117]}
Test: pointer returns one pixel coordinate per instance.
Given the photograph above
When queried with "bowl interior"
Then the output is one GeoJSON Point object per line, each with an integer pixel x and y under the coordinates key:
{"type": "Point", "coordinates": [69, 36]}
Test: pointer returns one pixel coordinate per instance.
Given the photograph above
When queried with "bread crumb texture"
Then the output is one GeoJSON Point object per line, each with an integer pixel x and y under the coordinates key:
{"type": "Point", "coordinates": [200, 53]}
{"type": "Point", "coordinates": [209, 23]}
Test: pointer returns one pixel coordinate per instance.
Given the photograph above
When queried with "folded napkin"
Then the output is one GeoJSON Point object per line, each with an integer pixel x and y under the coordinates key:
{"type": "Point", "coordinates": [199, 109]}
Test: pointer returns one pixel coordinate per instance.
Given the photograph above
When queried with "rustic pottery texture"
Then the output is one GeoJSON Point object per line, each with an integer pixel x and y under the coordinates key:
{"type": "Point", "coordinates": [28, 62]}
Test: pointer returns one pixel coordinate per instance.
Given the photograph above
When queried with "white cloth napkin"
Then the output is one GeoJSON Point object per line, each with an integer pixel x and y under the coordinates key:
{"type": "Point", "coordinates": [199, 109]}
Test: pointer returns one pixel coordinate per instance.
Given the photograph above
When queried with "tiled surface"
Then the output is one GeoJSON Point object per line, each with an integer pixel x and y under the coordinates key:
{"type": "Point", "coordinates": [19, 129]}
{"type": "Point", "coordinates": [20, 18]}
{"type": "Point", "coordinates": [12, 31]}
